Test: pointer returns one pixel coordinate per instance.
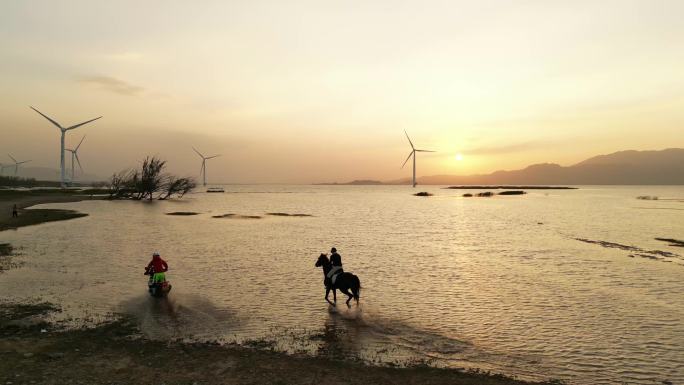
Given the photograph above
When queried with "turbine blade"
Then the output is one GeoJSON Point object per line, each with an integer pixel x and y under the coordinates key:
{"type": "Point", "coordinates": [409, 157]}
{"type": "Point", "coordinates": [11, 157]}
{"type": "Point", "coordinates": [46, 117]}
{"type": "Point", "coordinates": [26, 161]}
{"type": "Point", "coordinates": [79, 143]}
{"type": "Point", "coordinates": [78, 161]}
{"type": "Point", "coordinates": [198, 153]}
{"type": "Point", "coordinates": [409, 139]}
{"type": "Point", "coordinates": [80, 124]}
{"type": "Point", "coordinates": [212, 157]}
{"type": "Point", "coordinates": [425, 151]}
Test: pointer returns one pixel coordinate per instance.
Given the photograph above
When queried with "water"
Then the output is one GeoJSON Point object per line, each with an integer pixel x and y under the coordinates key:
{"type": "Point", "coordinates": [500, 283]}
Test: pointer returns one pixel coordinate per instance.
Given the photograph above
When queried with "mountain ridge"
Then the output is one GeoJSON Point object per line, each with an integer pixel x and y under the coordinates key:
{"type": "Point", "coordinates": [628, 167]}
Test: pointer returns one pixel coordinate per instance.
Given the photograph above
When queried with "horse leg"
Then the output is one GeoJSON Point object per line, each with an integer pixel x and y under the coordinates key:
{"type": "Point", "coordinates": [334, 296]}
{"type": "Point", "coordinates": [327, 292]}
{"type": "Point", "coordinates": [346, 291]}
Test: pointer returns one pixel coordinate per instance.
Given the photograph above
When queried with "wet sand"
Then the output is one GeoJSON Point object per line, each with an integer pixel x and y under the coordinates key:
{"type": "Point", "coordinates": [26, 199]}
{"type": "Point", "coordinates": [32, 352]}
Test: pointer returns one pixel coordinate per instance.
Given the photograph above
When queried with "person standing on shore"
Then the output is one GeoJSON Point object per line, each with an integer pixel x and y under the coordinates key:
{"type": "Point", "coordinates": [15, 211]}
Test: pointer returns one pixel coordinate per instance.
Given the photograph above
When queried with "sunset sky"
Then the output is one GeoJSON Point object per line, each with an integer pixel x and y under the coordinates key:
{"type": "Point", "coordinates": [313, 91]}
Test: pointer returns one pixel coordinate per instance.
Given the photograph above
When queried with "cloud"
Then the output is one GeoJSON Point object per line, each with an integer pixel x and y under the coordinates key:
{"type": "Point", "coordinates": [507, 149]}
{"type": "Point", "coordinates": [111, 84]}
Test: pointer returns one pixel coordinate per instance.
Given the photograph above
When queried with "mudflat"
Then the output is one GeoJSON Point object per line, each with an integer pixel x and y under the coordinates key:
{"type": "Point", "coordinates": [33, 352]}
{"type": "Point", "coordinates": [26, 199]}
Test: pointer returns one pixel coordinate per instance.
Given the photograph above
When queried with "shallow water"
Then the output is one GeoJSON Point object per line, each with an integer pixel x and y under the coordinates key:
{"type": "Point", "coordinates": [537, 286]}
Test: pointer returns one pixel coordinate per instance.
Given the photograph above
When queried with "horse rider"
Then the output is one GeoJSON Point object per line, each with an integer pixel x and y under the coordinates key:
{"type": "Point", "coordinates": [336, 262]}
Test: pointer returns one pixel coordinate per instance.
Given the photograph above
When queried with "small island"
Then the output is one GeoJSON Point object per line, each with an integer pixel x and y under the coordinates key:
{"type": "Point", "coordinates": [501, 187]}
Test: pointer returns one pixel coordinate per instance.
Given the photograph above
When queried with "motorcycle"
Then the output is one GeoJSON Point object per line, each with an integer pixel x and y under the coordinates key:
{"type": "Point", "coordinates": [157, 289]}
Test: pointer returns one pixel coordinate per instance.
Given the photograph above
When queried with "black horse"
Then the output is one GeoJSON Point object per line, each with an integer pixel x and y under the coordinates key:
{"type": "Point", "coordinates": [345, 282]}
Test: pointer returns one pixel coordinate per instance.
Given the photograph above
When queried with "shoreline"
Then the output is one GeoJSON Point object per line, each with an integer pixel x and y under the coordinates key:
{"type": "Point", "coordinates": [28, 217]}
{"type": "Point", "coordinates": [32, 351]}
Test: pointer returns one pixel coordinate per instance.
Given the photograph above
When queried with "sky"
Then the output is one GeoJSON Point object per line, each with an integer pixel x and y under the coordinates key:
{"type": "Point", "coordinates": [319, 91]}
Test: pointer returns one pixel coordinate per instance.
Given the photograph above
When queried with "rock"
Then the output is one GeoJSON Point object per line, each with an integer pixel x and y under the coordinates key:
{"type": "Point", "coordinates": [423, 194]}
{"type": "Point", "coordinates": [467, 195]}
{"type": "Point", "coordinates": [512, 192]}
{"type": "Point", "coordinates": [28, 355]}
{"type": "Point", "coordinates": [56, 355]}
{"type": "Point", "coordinates": [182, 213]}
{"type": "Point", "coordinates": [485, 194]}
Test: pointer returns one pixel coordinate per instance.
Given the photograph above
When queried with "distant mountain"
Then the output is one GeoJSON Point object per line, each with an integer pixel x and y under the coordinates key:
{"type": "Point", "coordinates": [48, 174]}
{"type": "Point", "coordinates": [664, 167]}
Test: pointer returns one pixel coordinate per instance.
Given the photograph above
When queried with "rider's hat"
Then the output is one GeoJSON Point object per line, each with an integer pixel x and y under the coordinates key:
{"type": "Point", "coordinates": [155, 254]}
{"type": "Point", "coordinates": [333, 250]}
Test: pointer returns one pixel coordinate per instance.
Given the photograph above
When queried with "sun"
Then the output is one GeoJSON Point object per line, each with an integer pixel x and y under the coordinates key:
{"type": "Point", "coordinates": [459, 157]}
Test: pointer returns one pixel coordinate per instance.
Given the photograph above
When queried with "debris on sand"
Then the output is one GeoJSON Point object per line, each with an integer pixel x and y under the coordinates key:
{"type": "Point", "coordinates": [423, 194]}
{"type": "Point", "coordinates": [5, 249]}
{"type": "Point", "coordinates": [648, 197]}
{"type": "Point", "coordinates": [485, 194]}
{"type": "Point", "coordinates": [467, 195]}
{"type": "Point", "coordinates": [181, 213]}
{"type": "Point", "coordinates": [289, 215]}
{"type": "Point", "coordinates": [512, 192]}
{"type": "Point", "coordinates": [672, 242]}
{"type": "Point", "coordinates": [6, 257]}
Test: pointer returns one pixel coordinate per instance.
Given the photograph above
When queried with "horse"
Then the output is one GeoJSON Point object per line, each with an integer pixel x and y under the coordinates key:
{"type": "Point", "coordinates": [344, 282]}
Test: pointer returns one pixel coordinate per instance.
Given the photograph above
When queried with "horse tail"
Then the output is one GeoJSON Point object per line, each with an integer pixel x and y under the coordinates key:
{"type": "Point", "coordinates": [356, 288]}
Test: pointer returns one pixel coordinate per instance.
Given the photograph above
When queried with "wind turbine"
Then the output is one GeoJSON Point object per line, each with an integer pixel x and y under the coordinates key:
{"type": "Point", "coordinates": [74, 155]}
{"type": "Point", "coordinates": [203, 170]}
{"type": "Point", "coordinates": [62, 180]}
{"type": "Point", "coordinates": [16, 164]}
{"type": "Point", "coordinates": [413, 153]}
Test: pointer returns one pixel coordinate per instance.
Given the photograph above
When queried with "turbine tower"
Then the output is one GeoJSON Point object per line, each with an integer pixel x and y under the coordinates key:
{"type": "Point", "coordinates": [74, 154]}
{"type": "Point", "coordinates": [16, 164]}
{"type": "Point", "coordinates": [413, 153]}
{"type": "Point", "coordinates": [62, 180]}
{"type": "Point", "coordinates": [203, 170]}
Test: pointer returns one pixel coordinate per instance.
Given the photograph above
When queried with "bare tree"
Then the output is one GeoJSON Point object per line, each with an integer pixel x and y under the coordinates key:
{"type": "Point", "coordinates": [177, 186]}
{"type": "Point", "coordinates": [149, 182]}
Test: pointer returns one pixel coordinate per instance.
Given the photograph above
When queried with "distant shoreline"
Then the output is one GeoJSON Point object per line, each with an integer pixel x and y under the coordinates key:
{"type": "Point", "coordinates": [456, 187]}
{"type": "Point", "coordinates": [487, 187]}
